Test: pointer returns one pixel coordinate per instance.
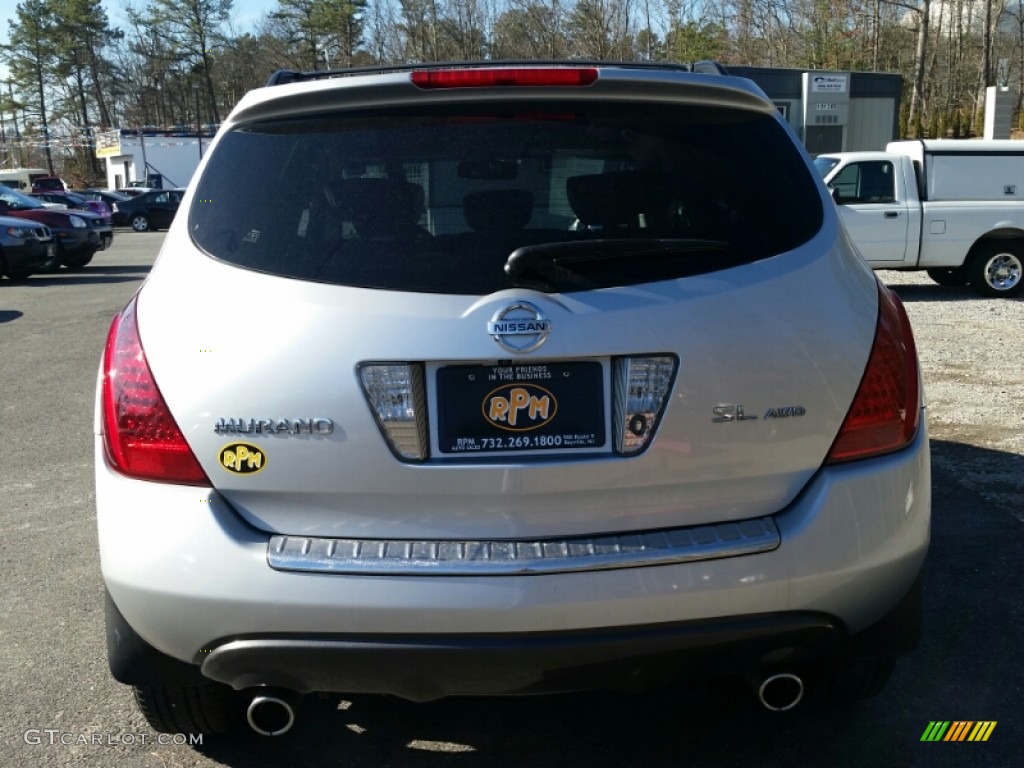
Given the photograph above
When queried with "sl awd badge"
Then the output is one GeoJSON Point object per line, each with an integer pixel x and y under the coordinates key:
{"type": "Point", "coordinates": [242, 458]}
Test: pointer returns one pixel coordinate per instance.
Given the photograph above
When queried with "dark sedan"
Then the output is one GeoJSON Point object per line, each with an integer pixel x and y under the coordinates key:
{"type": "Point", "coordinates": [103, 195]}
{"type": "Point", "coordinates": [149, 211]}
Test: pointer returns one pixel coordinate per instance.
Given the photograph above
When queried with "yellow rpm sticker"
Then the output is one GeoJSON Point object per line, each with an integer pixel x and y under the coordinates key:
{"type": "Point", "coordinates": [519, 407]}
{"type": "Point", "coordinates": [242, 458]}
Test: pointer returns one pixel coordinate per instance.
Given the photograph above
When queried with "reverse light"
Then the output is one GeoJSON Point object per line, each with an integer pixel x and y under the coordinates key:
{"type": "Point", "coordinates": [397, 398]}
{"type": "Point", "coordinates": [886, 409]}
{"type": "Point", "coordinates": [641, 386]}
{"type": "Point", "coordinates": [505, 76]}
{"type": "Point", "coordinates": [140, 436]}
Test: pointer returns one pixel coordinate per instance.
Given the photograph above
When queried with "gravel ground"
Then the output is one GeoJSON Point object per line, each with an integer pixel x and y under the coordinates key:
{"type": "Point", "coordinates": [972, 354]}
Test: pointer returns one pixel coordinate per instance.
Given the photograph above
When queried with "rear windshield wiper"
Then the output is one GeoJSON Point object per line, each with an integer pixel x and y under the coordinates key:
{"type": "Point", "coordinates": [543, 258]}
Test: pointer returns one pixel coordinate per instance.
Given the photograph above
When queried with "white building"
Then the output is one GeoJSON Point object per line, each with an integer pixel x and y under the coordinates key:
{"type": "Point", "coordinates": [174, 158]}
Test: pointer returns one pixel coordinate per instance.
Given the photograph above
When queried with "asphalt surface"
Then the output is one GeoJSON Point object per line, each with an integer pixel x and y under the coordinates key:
{"type": "Point", "coordinates": [59, 707]}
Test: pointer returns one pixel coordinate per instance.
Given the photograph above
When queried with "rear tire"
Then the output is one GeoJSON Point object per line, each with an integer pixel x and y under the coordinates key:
{"type": "Point", "coordinates": [140, 223]}
{"type": "Point", "coordinates": [997, 269]}
{"type": "Point", "coordinates": [954, 277]}
{"type": "Point", "coordinates": [186, 709]}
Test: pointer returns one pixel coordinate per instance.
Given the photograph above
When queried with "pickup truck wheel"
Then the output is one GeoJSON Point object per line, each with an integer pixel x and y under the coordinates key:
{"type": "Point", "coordinates": [998, 269]}
{"type": "Point", "coordinates": [950, 277]}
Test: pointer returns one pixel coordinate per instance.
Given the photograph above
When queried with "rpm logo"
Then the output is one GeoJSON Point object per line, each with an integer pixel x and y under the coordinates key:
{"type": "Point", "coordinates": [242, 458]}
{"type": "Point", "coordinates": [519, 407]}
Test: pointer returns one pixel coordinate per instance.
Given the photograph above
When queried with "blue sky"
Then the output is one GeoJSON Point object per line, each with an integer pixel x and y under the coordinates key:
{"type": "Point", "coordinates": [246, 14]}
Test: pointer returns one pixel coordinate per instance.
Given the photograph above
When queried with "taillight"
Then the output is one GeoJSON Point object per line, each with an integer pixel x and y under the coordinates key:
{"type": "Point", "coordinates": [505, 76]}
{"type": "Point", "coordinates": [886, 409]}
{"type": "Point", "coordinates": [141, 437]}
{"type": "Point", "coordinates": [641, 386]}
{"type": "Point", "coordinates": [396, 394]}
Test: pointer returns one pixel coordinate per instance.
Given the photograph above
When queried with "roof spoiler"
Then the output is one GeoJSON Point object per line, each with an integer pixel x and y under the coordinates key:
{"type": "Point", "coordinates": [285, 76]}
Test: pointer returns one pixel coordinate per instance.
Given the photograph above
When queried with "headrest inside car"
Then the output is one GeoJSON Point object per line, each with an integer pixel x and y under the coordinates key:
{"type": "Point", "coordinates": [498, 210]}
{"type": "Point", "coordinates": [619, 199]}
{"type": "Point", "coordinates": [378, 205]}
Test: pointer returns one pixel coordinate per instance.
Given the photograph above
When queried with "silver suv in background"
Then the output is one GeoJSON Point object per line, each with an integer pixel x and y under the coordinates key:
{"type": "Point", "coordinates": [495, 379]}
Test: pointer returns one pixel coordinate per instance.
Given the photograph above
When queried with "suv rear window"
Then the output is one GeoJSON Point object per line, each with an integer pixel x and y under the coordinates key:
{"type": "Point", "coordinates": [435, 200]}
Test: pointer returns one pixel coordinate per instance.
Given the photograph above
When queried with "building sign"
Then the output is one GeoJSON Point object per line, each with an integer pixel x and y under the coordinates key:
{"type": "Point", "coordinates": [828, 83]}
{"type": "Point", "coordinates": [108, 144]}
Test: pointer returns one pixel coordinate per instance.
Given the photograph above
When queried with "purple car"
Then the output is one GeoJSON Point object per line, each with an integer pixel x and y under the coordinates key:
{"type": "Point", "coordinates": [76, 201]}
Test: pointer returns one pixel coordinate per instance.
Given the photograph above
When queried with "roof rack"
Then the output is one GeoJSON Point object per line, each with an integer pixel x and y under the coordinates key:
{"type": "Point", "coordinates": [285, 76]}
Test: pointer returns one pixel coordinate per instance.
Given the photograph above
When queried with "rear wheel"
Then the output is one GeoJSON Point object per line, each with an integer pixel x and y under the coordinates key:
{"type": "Point", "coordinates": [186, 709]}
{"type": "Point", "coordinates": [140, 223]}
{"type": "Point", "coordinates": [997, 269]}
{"type": "Point", "coordinates": [951, 277]}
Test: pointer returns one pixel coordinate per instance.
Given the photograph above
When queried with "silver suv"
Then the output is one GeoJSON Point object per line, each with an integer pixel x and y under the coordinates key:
{"type": "Point", "coordinates": [488, 379]}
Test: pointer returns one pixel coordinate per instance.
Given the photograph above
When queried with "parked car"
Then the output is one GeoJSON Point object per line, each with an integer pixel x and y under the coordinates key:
{"type": "Point", "coordinates": [48, 184]}
{"type": "Point", "coordinates": [25, 247]}
{"type": "Point", "coordinates": [450, 442]}
{"type": "Point", "coordinates": [149, 211]}
{"type": "Point", "coordinates": [107, 196]}
{"type": "Point", "coordinates": [78, 234]}
{"type": "Point", "coordinates": [76, 201]}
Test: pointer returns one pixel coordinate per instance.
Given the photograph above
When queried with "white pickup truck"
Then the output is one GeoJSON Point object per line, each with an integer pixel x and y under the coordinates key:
{"type": "Point", "coordinates": [953, 208]}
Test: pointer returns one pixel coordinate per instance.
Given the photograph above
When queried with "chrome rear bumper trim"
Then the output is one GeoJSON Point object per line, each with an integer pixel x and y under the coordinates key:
{"type": "Point", "coordinates": [513, 557]}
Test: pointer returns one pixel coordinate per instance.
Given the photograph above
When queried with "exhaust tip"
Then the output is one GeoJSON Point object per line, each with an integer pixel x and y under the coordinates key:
{"type": "Point", "coordinates": [270, 716]}
{"type": "Point", "coordinates": [781, 692]}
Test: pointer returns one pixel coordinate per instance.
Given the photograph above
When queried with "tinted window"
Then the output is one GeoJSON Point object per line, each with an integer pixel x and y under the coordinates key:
{"type": "Point", "coordinates": [16, 201]}
{"type": "Point", "coordinates": [436, 201]}
{"type": "Point", "coordinates": [866, 182]}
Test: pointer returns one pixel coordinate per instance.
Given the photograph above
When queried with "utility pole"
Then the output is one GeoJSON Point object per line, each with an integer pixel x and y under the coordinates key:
{"type": "Point", "coordinates": [199, 122]}
{"type": "Point", "coordinates": [3, 132]}
{"type": "Point", "coordinates": [14, 113]}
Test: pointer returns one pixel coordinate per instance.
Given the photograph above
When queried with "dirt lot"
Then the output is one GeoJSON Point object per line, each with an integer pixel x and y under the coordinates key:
{"type": "Point", "coordinates": [972, 353]}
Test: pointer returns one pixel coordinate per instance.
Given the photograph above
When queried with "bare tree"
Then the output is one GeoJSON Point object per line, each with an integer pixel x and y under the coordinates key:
{"type": "Point", "coordinates": [29, 54]}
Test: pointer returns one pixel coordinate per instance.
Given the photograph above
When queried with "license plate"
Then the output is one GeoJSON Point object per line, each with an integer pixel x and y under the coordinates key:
{"type": "Point", "coordinates": [520, 407]}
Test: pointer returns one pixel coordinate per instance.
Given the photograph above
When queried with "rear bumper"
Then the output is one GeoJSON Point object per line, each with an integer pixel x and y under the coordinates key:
{"type": "Point", "coordinates": [193, 580]}
{"type": "Point", "coordinates": [434, 666]}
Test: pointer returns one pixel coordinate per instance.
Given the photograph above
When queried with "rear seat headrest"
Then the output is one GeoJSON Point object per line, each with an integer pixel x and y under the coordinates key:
{"type": "Point", "coordinates": [618, 198]}
{"type": "Point", "coordinates": [498, 210]}
{"type": "Point", "coordinates": [377, 201]}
